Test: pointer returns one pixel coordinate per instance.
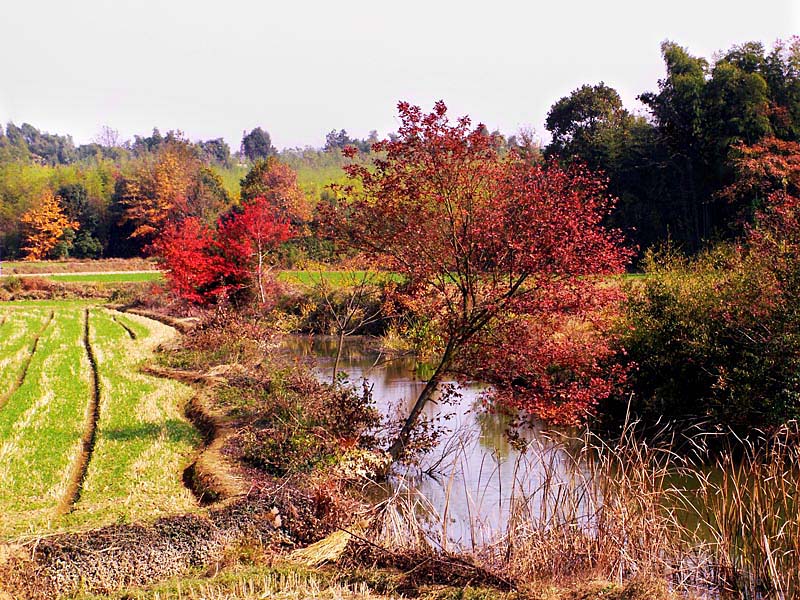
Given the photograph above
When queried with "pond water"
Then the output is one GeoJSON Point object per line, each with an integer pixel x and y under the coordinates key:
{"type": "Point", "coordinates": [473, 478]}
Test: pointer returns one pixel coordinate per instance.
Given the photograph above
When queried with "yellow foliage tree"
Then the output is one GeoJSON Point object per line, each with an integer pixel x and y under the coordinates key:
{"type": "Point", "coordinates": [44, 225]}
{"type": "Point", "coordinates": [160, 188]}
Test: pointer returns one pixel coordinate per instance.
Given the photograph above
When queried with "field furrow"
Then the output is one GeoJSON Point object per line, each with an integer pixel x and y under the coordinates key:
{"type": "Point", "coordinates": [143, 441]}
{"type": "Point", "coordinates": [85, 438]}
{"type": "Point", "coordinates": [131, 333]}
{"type": "Point", "coordinates": [41, 426]}
{"type": "Point", "coordinates": [20, 337]}
{"type": "Point", "coordinates": [79, 468]}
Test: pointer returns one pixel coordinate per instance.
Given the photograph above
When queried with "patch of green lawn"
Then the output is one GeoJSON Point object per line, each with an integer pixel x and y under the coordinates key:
{"type": "Point", "coordinates": [108, 277]}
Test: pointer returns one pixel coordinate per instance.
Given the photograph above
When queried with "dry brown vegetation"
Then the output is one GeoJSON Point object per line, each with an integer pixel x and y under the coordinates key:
{"type": "Point", "coordinates": [670, 514]}
{"type": "Point", "coordinates": [78, 266]}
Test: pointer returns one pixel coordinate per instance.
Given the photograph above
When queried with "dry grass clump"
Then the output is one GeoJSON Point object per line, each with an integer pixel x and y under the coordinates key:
{"type": "Point", "coordinates": [39, 288]}
{"type": "Point", "coordinates": [119, 556]}
{"type": "Point", "coordinates": [93, 265]}
{"type": "Point", "coordinates": [748, 511]}
{"type": "Point", "coordinates": [672, 514]}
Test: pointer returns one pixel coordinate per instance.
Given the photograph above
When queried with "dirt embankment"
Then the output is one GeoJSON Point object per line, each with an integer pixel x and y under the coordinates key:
{"type": "Point", "coordinates": [119, 556]}
{"type": "Point", "coordinates": [211, 476]}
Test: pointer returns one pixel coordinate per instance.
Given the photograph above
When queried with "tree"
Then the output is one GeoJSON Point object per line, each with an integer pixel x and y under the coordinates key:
{"type": "Point", "coordinates": [206, 196]}
{"type": "Point", "coordinates": [578, 120]}
{"type": "Point", "coordinates": [204, 263]}
{"type": "Point", "coordinates": [525, 144]}
{"type": "Point", "coordinates": [160, 189]}
{"type": "Point", "coordinates": [144, 145]}
{"type": "Point", "coordinates": [75, 200]}
{"type": "Point", "coordinates": [247, 238]}
{"type": "Point", "coordinates": [257, 144]}
{"type": "Point", "coordinates": [107, 137]}
{"type": "Point", "coordinates": [216, 150]}
{"type": "Point", "coordinates": [195, 271]}
{"type": "Point", "coordinates": [352, 304]}
{"type": "Point", "coordinates": [337, 139]}
{"type": "Point", "coordinates": [47, 148]}
{"type": "Point", "coordinates": [276, 182]}
{"type": "Point", "coordinates": [761, 172]}
{"type": "Point", "coordinates": [44, 226]}
{"type": "Point", "coordinates": [478, 237]}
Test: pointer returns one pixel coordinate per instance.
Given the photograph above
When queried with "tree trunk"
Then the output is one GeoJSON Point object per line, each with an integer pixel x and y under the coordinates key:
{"type": "Point", "coordinates": [338, 356]}
{"type": "Point", "coordinates": [262, 295]}
{"type": "Point", "coordinates": [398, 447]}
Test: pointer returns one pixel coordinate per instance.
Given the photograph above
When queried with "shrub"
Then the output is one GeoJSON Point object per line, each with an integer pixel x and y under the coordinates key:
{"type": "Point", "coordinates": [716, 338]}
{"type": "Point", "coordinates": [297, 423]}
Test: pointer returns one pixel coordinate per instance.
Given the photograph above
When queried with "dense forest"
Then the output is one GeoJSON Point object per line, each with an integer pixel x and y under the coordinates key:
{"type": "Point", "coordinates": [676, 169]}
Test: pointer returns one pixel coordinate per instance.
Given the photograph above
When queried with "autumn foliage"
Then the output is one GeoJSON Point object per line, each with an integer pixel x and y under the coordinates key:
{"type": "Point", "coordinates": [247, 237]}
{"type": "Point", "coordinates": [276, 183]}
{"type": "Point", "coordinates": [205, 264]}
{"type": "Point", "coordinates": [44, 225]}
{"type": "Point", "coordinates": [195, 270]}
{"type": "Point", "coordinates": [493, 247]}
{"type": "Point", "coordinates": [170, 186]}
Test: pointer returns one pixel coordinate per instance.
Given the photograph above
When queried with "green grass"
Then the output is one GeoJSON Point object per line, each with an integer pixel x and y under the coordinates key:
{"type": "Point", "coordinates": [139, 329]}
{"type": "Point", "coordinates": [51, 303]}
{"type": "Point", "coordinates": [17, 333]}
{"type": "Point", "coordinates": [142, 443]}
{"type": "Point", "coordinates": [107, 277]}
{"type": "Point", "coordinates": [143, 440]}
{"type": "Point", "coordinates": [41, 427]}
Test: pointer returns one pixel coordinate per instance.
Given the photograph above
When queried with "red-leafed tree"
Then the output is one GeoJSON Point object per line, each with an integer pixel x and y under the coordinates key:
{"type": "Point", "coordinates": [764, 174]}
{"type": "Point", "coordinates": [204, 264]}
{"type": "Point", "coordinates": [248, 237]}
{"type": "Point", "coordinates": [487, 243]}
{"type": "Point", "coordinates": [767, 181]}
{"type": "Point", "coordinates": [194, 269]}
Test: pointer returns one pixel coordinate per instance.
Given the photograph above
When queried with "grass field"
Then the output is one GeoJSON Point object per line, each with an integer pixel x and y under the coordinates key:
{"type": "Point", "coordinates": [108, 277]}
{"type": "Point", "coordinates": [85, 439]}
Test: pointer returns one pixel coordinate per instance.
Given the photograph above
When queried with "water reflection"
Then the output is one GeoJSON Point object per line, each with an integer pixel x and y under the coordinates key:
{"type": "Point", "coordinates": [474, 478]}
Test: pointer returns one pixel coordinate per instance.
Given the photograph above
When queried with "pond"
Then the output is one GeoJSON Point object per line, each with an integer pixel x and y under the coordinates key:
{"type": "Point", "coordinates": [710, 519]}
{"type": "Point", "coordinates": [474, 478]}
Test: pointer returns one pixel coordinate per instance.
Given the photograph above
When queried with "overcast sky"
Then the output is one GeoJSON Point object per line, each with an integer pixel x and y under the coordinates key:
{"type": "Point", "coordinates": [300, 69]}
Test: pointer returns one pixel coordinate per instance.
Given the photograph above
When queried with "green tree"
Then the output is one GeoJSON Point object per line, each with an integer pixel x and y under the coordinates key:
{"type": "Point", "coordinates": [75, 200]}
{"type": "Point", "coordinates": [582, 123]}
{"type": "Point", "coordinates": [257, 145]}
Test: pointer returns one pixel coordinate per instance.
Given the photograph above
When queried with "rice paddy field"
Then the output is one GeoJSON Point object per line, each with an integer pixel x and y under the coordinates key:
{"type": "Point", "coordinates": [85, 438]}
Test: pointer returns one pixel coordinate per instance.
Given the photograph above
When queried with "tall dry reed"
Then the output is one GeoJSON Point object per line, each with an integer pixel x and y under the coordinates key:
{"type": "Point", "coordinates": [709, 522]}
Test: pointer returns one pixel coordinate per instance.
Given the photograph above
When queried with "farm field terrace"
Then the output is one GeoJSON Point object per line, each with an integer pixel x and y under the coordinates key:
{"type": "Point", "coordinates": [85, 438]}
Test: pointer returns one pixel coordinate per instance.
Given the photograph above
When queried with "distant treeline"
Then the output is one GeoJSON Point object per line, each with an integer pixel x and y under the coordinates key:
{"type": "Point", "coordinates": [668, 167]}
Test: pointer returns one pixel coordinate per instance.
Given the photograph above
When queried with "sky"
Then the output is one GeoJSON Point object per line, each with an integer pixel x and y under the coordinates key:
{"type": "Point", "coordinates": [302, 68]}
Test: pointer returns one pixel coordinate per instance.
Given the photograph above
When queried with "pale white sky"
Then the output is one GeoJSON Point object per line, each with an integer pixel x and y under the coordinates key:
{"type": "Point", "coordinates": [302, 68]}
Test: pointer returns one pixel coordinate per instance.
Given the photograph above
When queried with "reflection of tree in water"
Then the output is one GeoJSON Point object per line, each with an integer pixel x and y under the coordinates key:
{"type": "Point", "coordinates": [474, 476]}
{"type": "Point", "coordinates": [494, 431]}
